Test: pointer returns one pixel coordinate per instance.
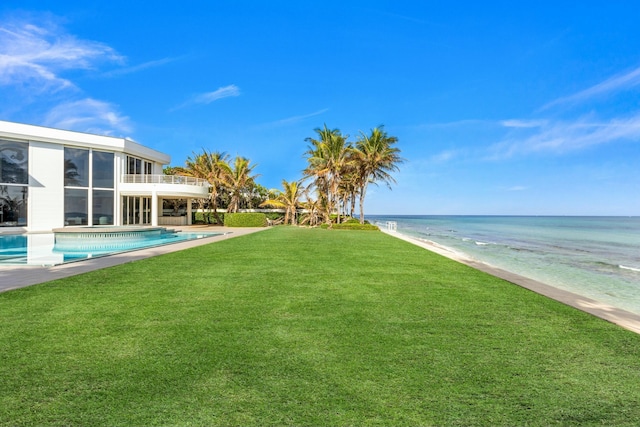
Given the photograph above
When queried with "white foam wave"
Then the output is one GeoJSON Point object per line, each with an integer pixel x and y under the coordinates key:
{"type": "Point", "coordinates": [624, 267]}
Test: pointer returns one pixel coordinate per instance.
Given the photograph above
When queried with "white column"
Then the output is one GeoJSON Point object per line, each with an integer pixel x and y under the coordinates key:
{"type": "Point", "coordinates": [189, 201]}
{"type": "Point", "coordinates": [154, 208]}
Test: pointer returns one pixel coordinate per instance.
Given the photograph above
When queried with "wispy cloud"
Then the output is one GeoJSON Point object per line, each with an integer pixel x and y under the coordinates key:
{"type": "Point", "coordinates": [88, 115]}
{"type": "Point", "coordinates": [140, 67]}
{"type": "Point", "coordinates": [518, 123]}
{"type": "Point", "coordinates": [517, 188]}
{"type": "Point", "coordinates": [33, 57]}
{"type": "Point", "coordinates": [35, 52]}
{"type": "Point", "coordinates": [614, 84]}
{"type": "Point", "coordinates": [296, 119]}
{"type": "Point", "coordinates": [209, 97]}
{"type": "Point", "coordinates": [564, 136]}
{"type": "Point", "coordinates": [445, 156]}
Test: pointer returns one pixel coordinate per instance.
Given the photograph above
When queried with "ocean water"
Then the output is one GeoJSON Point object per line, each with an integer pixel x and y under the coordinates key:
{"type": "Point", "coordinates": [597, 257]}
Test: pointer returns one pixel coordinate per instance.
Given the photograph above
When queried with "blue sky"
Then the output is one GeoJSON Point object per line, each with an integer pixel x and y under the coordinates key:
{"type": "Point", "coordinates": [527, 110]}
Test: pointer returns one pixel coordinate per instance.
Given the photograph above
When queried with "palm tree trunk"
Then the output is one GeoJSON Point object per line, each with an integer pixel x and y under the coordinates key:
{"type": "Point", "coordinates": [363, 192]}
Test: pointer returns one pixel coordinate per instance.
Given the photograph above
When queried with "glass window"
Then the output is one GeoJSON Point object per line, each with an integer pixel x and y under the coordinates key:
{"type": "Point", "coordinates": [14, 162]}
{"type": "Point", "coordinates": [131, 165]}
{"type": "Point", "coordinates": [102, 207]}
{"type": "Point", "coordinates": [76, 167]}
{"type": "Point", "coordinates": [76, 206]}
{"type": "Point", "coordinates": [13, 205]}
{"type": "Point", "coordinates": [102, 169]}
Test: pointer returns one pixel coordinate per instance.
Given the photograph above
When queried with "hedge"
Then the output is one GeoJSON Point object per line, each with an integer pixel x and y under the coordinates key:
{"type": "Point", "coordinates": [248, 219]}
{"type": "Point", "coordinates": [207, 217]}
{"type": "Point", "coordinates": [352, 226]}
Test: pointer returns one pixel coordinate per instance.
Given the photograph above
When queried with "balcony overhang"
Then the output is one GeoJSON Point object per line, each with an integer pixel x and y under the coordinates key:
{"type": "Point", "coordinates": [170, 186]}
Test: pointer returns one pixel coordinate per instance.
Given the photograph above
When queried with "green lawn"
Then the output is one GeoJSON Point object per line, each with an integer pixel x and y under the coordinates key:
{"type": "Point", "coordinates": [307, 327]}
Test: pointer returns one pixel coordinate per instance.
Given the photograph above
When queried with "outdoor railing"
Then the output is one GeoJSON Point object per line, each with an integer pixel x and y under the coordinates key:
{"type": "Point", "coordinates": [164, 179]}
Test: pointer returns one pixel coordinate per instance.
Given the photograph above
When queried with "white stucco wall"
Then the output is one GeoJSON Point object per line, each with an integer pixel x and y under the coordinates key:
{"type": "Point", "coordinates": [46, 186]}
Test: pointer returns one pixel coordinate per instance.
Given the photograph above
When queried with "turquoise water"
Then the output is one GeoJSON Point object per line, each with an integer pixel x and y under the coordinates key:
{"type": "Point", "coordinates": [39, 249]}
{"type": "Point", "coordinates": [597, 257]}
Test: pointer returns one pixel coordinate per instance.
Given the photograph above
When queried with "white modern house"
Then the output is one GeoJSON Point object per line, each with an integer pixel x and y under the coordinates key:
{"type": "Point", "coordinates": [52, 178]}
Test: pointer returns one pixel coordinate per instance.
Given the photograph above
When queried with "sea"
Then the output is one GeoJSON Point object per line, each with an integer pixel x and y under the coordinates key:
{"type": "Point", "coordinates": [596, 257]}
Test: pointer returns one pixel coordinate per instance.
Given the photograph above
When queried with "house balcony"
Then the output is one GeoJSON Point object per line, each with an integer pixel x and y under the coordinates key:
{"type": "Point", "coordinates": [168, 186]}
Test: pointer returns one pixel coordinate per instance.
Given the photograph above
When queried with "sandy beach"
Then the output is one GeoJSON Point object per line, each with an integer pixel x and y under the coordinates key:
{"type": "Point", "coordinates": [607, 312]}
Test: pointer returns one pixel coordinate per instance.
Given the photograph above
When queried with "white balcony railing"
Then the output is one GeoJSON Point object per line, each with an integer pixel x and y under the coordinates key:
{"type": "Point", "coordinates": [164, 179]}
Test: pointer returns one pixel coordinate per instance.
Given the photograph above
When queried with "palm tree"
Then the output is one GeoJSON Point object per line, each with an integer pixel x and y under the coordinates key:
{"type": "Point", "coordinates": [211, 166]}
{"type": "Point", "coordinates": [311, 213]}
{"type": "Point", "coordinates": [239, 181]}
{"type": "Point", "coordinates": [376, 158]}
{"type": "Point", "coordinates": [327, 157]}
{"type": "Point", "coordinates": [289, 200]}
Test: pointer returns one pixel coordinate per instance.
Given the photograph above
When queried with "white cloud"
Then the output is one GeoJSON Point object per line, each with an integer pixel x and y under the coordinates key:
{"type": "Point", "coordinates": [223, 92]}
{"type": "Point", "coordinates": [295, 119]}
{"type": "Point", "coordinates": [140, 67]}
{"type": "Point", "coordinates": [445, 156]}
{"type": "Point", "coordinates": [614, 84]}
{"type": "Point", "coordinates": [564, 136]}
{"type": "Point", "coordinates": [209, 97]}
{"type": "Point", "coordinates": [34, 56]}
{"type": "Point", "coordinates": [519, 123]}
{"type": "Point", "coordinates": [88, 115]}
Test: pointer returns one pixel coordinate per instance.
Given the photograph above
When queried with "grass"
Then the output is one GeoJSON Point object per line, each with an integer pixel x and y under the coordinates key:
{"type": "Point", "coordinates": [307, 327]}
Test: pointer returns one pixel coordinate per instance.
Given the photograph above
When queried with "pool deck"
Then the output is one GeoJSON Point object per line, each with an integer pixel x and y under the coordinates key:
{"type": "Point", "coordinates": [14, 277]}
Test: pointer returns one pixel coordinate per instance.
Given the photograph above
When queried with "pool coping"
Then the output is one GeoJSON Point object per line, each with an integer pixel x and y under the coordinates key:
{"type": "Point", "coordinates": [15, 277]}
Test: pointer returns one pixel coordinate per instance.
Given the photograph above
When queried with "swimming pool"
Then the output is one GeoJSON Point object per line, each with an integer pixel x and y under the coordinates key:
{"type": "Point", "coordinates": [41, 250]}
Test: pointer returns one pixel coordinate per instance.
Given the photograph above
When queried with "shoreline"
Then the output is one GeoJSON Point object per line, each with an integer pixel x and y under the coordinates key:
{"type": "Point", "coordinates": [618, 316]}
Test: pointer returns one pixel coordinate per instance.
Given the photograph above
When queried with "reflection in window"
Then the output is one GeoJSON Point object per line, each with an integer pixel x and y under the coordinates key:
{"type": "Point", "coordinates": [13, 205]}
{"type": "Point", "coordinates": [102, 207]}
{"type": "Point", "coordinates": [76, 167]}
{"type": "Point", "coordinates": [102, 169]}
{"type": "Point", "coordinates": [76, 206]}
{"type": "Point", "coordinates": [14, 162]}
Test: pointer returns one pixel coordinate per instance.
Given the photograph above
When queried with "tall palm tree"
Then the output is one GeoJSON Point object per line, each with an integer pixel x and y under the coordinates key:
{"type": "Point", "coordinates": [376, 158]}
{"type": "Point", "coordinates": [289, 200]}
{"type": "Point", "coordinates": [211, 166]}
{"type": "Point", "coordinates": [239, 181]}
{"type": "Point", "coordinates": [327, 157]}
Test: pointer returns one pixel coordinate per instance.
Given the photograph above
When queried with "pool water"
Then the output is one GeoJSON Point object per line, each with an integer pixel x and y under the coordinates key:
{"type": "Point", "coordinates": [40, 249]}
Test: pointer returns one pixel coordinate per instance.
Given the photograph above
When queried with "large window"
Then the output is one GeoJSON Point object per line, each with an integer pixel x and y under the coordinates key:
{"type": "Point", "coordinates": [76, 167]}
{"type": "Point", "coordinates": [102, 169]}
{"type": "Point", "coordinates": [89, 183]}
{"type": "Point", "coordinates": [13, 205]}
{"type": "Point", "coordinates": [76, 206]}
{"type": "Point", "coordinates": [103, 207]}
{"type": "Point", "coordinates": [14, 181]}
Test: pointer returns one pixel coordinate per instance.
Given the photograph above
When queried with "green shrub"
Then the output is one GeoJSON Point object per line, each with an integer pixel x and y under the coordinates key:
{"type": "Point", "coordinates": [352, 226]}
{"type": "Point", "coordinates": [274, 216]}
{"type": "Point", "coordinates": [248, 219]}
{"type": "Point", "coordinates": [207, 218]}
